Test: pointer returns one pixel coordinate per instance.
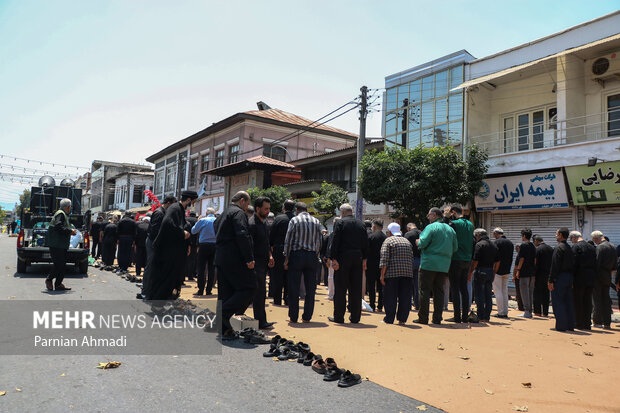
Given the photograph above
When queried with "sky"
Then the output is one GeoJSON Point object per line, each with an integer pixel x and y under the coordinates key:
{"type": "Point", "coordinates": [120, 80]}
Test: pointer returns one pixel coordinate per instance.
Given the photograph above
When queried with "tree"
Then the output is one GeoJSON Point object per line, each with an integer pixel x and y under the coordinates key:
{"type": "Point", "coordinates": [329, 200]}
{"type": "Point", "coordinates": [276, 194]}
{"type": "Point", "coordinates": [24, 202]}
{"type": "Point", "coordinates": [2, 214]}
{"type": "Point", "coordinates": [414, 180]}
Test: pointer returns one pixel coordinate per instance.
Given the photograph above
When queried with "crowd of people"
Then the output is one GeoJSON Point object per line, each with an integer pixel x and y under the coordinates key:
{"type": "Point", "coordinates": [245, 249]}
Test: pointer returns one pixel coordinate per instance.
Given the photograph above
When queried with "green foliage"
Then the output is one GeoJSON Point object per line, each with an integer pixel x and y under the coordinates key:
{"type": "Point", "coordinates": [24, 202]}
{"type": "Point", "coordinates": [414, 180]}
{"type": "Point", "coordinates": [329, 200]}
{"type": "Point", "coordinates": [2, 214]}
{"type": "Point", "coordinates": [277, 195]}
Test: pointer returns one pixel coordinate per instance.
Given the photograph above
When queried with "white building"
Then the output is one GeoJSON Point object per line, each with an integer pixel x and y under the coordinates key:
{"type": "Point", "coordinates": [548, 112]}
{"type": "Point", "coordinates": [128, 195]}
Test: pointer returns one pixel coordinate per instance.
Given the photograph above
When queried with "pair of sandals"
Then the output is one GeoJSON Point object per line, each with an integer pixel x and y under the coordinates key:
{"type": "Point", "coordinates": [331, 372]}
{"type": "Point", "coordinates": [253, 336]}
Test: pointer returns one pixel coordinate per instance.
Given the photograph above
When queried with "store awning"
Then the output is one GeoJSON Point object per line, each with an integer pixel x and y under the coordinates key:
{"type": "Point", "coordinates": [513, 69]}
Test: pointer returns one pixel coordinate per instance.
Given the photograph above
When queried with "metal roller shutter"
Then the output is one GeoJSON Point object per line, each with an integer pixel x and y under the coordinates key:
{"type": "Point", "coordinates": [608, 222]}
{"type": "Point", "coordinates": [543, 223]}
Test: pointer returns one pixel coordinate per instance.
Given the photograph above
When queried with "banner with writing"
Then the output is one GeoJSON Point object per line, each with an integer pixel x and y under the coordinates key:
{"type": "Point", "coordinates": [595, 185]}
{"type": "Point", "coordinates": [531, 191]}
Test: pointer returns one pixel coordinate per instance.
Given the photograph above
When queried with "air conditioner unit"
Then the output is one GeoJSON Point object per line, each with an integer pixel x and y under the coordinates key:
{"type": "Point", "coordinates": [605, 67]}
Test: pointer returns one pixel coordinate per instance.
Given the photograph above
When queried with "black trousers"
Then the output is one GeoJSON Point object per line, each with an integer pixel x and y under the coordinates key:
{"type": "Point", "coordinates": [191, 262]}
{"type": "Point", "coordinates": [431, 281]}
{"type": "Point", "coordinates": [258, 303]}
{"type": "Point", "coordinates": [109, 252]}
{"type": "Point", "coordinates": [348, 278]}
{"type": "Point", "coordinates": [140, 259]}
{"type": "Point", "coordinates": [234, 295]}
{"type": "Point", "coordinates": [59, 260]}
{"type": "Point", "coordinates": [96, 247]}
{"type": "Point", "coordinates": [206, 262]}
{"type": "Point", "coordinates": [124, 252]}
{"type": "Point", "coordinates": [373, 285]}
{"type": "Point", "coordinates": [602, 300]}
{"type": "Point", "coordinates": [582, 297]}
{"type": "Point", "coordinates": [397, 292]}
{"type": "Point", "coordinates": [458, 289]}
{"type": "Point", "coordinates": [278, 278]}
{"type": "Point", "coordinates": [541, 295]}
{"type": "Point", "coordinates": [519, 299]}
{"type": "Point", "coordinates": [301, 263]}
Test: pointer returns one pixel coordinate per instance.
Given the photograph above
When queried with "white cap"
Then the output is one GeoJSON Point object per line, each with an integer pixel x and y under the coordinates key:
{"type": "Point", "coordinates": [394, 228]}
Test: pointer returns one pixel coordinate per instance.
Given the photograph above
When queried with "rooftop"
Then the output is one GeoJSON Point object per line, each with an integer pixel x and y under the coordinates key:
{"type": "Point", "coordinates": [260, 162]}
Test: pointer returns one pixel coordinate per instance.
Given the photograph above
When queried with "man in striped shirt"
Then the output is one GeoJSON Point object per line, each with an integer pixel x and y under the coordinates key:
{"type": "Point", "coordinates": [396, 274]}
{"type": "Point", "coordinates": [301, 251]}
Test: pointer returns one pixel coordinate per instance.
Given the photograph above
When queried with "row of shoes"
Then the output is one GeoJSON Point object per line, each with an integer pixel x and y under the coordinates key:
{"type": "Point", "coordinates": [253, 336]}
{"type": "Point", "coordinates": [284, 349]}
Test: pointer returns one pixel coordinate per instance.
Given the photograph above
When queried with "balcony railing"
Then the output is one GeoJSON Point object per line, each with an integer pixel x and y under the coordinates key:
{"type": "Point", "coordinates": [549, 135]}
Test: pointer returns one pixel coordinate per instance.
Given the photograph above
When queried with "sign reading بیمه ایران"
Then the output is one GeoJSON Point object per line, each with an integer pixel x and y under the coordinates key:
{"type": "Point", "coordinates": [532, 191]}
{"type": "Point", "coordinates": [595, 185]}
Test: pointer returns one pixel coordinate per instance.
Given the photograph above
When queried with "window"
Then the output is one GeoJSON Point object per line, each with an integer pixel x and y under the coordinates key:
{"type": "Point", "coordinates": [219, 158]}
{"type": "Point", "coordinates": [613, 115]}
{"type": "Point", "coordinates": [233, 152]}
{"type": "Point", "coordinates": [205, 163]}
{"type": "Point", "coordinates": [193, 169]}
{"type": "Point", "coordinates": [274, 152]}
{"type": "Point", "coordinates": [160, 164]}
{"type": "Point", "coordinates": [171, 175]}
{"type": "Point", "coordinates": [159, 182]}
{"type": "Point", "coordinates": [530, 130]}
{"type": "Point", "coordinates": [138, 194]}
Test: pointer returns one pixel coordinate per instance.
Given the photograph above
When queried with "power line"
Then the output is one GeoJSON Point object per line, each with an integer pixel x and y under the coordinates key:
{"type": "Point", "coordinates": [42, 162]}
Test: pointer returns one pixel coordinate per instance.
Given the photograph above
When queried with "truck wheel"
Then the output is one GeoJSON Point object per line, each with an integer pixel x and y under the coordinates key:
{"type": "Point", "coordinates": [83, 267]}
{"type": "Point", "coordinates": [21, 266]}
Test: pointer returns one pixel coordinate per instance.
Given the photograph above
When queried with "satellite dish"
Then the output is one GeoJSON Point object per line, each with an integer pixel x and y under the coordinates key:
{"type": "Point", "coordinates": [67, 182]}
{"type": "Point", "coordinates": [46, 181]}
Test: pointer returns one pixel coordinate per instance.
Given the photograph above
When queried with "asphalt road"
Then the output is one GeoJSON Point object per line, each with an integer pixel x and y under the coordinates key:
{"type": "Point", "coordinates": [238, 380]}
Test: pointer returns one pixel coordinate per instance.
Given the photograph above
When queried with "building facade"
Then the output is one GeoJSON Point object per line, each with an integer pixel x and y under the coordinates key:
{"type": "Point", "coordinates": [548, 113]}
{"type": "Point", "coordinates": [103, 188]}
{"type": "Point", "coordinates": [270, 132]}
{"type": "Point", "coordinates": [129, 189]}
{"type": "Point", "coordinates": [421, 106]}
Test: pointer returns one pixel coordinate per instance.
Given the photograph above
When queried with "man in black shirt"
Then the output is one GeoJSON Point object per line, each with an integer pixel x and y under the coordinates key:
{"type": "Point", "coordinates": [95, 230]}
{"type": "Point", "coordinates": [484, 266]}
{"type": "Point", "coordinates": [142, 229]}
{"type": "Point", "coordinates": [412, 235]}
{"type": "Point", "coordinates": [126, 236]}
{"type": "Point", "coordinates": [323, 270]}
{"type": "Point", "coordinates": [583, 284]}
{"type": "Point", "coordinates": [262, 256]}
{"type": "Point", "coordinates": [500, 282]}
{"type": "Point", "coordinates": [234, 259]}
{"type": "Point", "coordinates": [154, 225]}
{"type": "Point", "coordinates": [606, 260]}
{"type": "Point", "coordinates": [277, 234]}
{"type": "Point", "coordinates": [373, 283]}
{"type": "Point", "coordinates": [348, 252]}
{"type": "Point", "coordinates": [543, 265]}
{"type": "Point", "coordinates": [109, 239]}
{"type": "Point", "coordinates": [193, 246]}
{"type": "Point", "coordinates": [561, 282]}
{"type": "Point", "coordinates": [525, 270]}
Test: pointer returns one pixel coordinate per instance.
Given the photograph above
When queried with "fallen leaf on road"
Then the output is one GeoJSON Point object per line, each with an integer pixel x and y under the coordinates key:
{"type": "Point", "coordinates": [614, 346]}
{"type": "Point", "coordinates": [489, 391]}
{"type": "Point", "coordinates": [440, 347]}
{"type": "Point", "coordinates": [18, 389]}
{"type": "Point", "coordinates": [577, 344]}
{"type": "Point", "coordinates": [587, 353]}
{"type": "Point", "coordinates": [520, 408]}
{"type": "Point", "coordinates": [11, 297]}
{"type": "Point", "coordinates": [293, 360]}
{"type": "Point", "coordinates": [108, 365]}
{"type": "Point", "coordinates": [103, 281]}
{"type": "Point", "coordinates": [62, 375]}
{"type": "Point", "coordinates": [2, 393]}
{"type": "Point", "coordinates": [570, 391]}
{"type": "Point", "coordinates": [464, 357]}
{"type": "Point", "coordinates": [589, 370]}
{"type": "Point", "coordinates": [422, 407]}
{"type": "Point", "coordinates": [527, 385]}
{"type": "Point", "coordinates": [465, 376]}
{"type": "Point", "coordinates": [275, 359]}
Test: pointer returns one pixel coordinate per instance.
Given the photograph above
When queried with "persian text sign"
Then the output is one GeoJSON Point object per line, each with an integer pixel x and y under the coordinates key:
{"type": "Point", "coordinates": [531, 191]}
{"type": "Point", "coordinates": [595, 185]}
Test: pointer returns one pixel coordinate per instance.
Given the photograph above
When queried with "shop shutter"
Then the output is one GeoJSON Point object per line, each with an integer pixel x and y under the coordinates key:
{"type": "Point", "coordinates": [544, 224]}
{"type": "Point", "coordinates": [608, 222]}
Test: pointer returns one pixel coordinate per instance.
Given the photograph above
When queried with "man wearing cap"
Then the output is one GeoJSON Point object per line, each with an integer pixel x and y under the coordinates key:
{"type": "Point", "coordinates": [437, 244]}
{"type": "Point", "coordinates": [57, 240]}
{"type": "Point", "coordinates": [396, 274]}
{"type": "Point", "coordinates": [348, 252]}
{"type": "Point", "coordinates": [170, 250]}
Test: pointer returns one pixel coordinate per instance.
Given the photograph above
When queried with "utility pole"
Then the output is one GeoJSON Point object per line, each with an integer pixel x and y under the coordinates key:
{"type": "Point", "coordinates": [128, 190]}
{"type": "Point", "coordinates": [361, 148]}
